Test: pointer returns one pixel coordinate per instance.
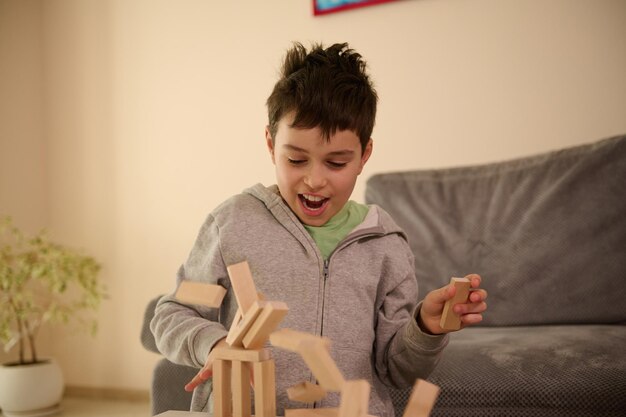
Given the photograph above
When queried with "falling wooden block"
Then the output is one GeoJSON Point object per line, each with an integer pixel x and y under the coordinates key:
{"type": "Point", "coordinates": [355, 398]}
{"type": "Point", "coordinates": [200, 293]}
{"type": "Point", "coordinates": [264, 388]}
{"type": "Point", "coordinates": [305, 392]}
{"type": "Point", "coordinates": [318, 359]}
{"type": "Point", "coordinates": [268, 320]}
{"type": "Point", "coordinates": [222, 394]}
{"type": "Point", "coordinates": [449, 319]}
{"type": "Point", "coordinates": [242, 404]}
{"type": "Point", "coordinates": [238, 331]}
{"type": "Point", "coordinates": [243, 285]}
{"type": "Point", "coordinates": [315, 352]}
{"type": "Point", "coordinates": [291, 340]}
{"type": "Point", "coordinates": [422, 399]}
{"type": "Point", "coordinates": [242, 355]}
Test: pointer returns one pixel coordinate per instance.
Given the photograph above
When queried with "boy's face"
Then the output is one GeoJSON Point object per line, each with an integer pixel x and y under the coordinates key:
{"type": "Point", "coordinates": [315, 176]}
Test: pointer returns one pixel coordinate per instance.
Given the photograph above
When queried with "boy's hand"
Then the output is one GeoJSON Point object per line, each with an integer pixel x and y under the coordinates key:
{"type": "Point", "coordinates": [207, 370]}
{"type": "Point", "coordinates": [470, 312]}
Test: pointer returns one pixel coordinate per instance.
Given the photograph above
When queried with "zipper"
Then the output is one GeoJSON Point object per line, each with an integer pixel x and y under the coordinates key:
{"type": "Point", "coordinates": [325, 276]}
{"type": "Point", "coordinates": [317, 404]}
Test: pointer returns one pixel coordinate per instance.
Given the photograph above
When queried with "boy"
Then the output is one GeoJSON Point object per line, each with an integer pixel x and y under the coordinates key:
{"type": "Point", "coordinates": [344, 269]}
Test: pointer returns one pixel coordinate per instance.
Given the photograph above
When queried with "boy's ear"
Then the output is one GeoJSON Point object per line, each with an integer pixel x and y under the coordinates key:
{"type": "Point", "coordinates": [367, 152]}
{"type": "Point", "coordinates": [269, 142]}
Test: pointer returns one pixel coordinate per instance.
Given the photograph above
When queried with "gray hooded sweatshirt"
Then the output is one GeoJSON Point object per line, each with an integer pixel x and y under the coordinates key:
{"type": "Point", "coordinates": [363, 298]}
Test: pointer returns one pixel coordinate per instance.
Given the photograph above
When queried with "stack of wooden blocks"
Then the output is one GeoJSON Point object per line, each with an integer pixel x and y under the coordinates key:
{"type": "Point", "coordinates": [255, 324]}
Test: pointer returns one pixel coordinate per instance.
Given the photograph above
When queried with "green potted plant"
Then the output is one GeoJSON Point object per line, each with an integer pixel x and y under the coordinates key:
{"type": "Point", "coordinates": [41, 282]}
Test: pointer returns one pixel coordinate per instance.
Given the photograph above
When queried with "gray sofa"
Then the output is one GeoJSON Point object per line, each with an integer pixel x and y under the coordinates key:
{"type": "Point", "coordinates": [548, 235]}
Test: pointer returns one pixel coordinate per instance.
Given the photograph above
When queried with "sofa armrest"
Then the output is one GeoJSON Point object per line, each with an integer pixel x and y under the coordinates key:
{"type": "Point", "coordinates": [147, 338]}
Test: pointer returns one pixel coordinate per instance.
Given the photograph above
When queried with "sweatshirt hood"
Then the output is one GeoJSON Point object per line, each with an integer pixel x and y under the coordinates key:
{"type": "Point", "coordinates": [377, 221]}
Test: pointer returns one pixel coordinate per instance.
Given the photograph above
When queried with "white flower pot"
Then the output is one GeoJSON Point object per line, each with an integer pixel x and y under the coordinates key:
{"type": "Point", "coordinates": [31, 390]}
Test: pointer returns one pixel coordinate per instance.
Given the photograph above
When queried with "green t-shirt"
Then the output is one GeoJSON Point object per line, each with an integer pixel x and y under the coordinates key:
{"type": "Point", "coordinates": [328, 236]}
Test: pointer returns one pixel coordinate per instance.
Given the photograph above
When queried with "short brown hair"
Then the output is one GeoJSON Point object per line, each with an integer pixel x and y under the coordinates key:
{"type": "Point", "coordinates": [326, 88]}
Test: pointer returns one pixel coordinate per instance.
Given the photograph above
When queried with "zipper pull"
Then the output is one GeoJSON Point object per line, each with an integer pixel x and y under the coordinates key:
{"type": "Point", "coordinates": [325, 269]}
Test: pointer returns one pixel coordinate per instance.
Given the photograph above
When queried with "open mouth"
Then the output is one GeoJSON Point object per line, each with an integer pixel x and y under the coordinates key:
{"type": "Point", "coordinates": [312, 202]}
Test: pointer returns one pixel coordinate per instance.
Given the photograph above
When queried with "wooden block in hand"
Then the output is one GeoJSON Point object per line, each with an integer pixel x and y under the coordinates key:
{"type": "Point", "coordinates": [449, 319]}
{"type": "Point", "coordinates": [422, 399]}
{"type": "Point", "coordinates": [200, 293]}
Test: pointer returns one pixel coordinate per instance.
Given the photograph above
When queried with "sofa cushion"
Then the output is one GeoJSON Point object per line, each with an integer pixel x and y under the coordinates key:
{"type": "Point", "coordinates": [547, 233]}
{"type": "Point", "coordinates": [168, 382]}
{"type": "Point", "coordinates": [539, 371]}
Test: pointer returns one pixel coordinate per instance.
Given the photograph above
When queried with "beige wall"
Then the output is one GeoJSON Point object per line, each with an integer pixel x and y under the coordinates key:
{"type": "Point", "coordinates": [23, 187]}
{"type": "Point", "coordinates": [152, 112]}
{"type": "Point", "coordinates": [23, 191]}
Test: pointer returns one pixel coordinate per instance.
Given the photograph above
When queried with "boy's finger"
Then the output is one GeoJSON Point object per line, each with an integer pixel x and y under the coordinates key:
{"type": "Point", "coordinates": [472, 318]}
{"type": "Point", "coordinates": [198, 379]}
{"type": "Point", "coordinates": [470, 308]}
{"type": "Point", "coordinates": [478, 296]}
{"type": "Point", "coordinates": [195, 381]}
{"type": "Point", "coordinates": [474, 279]}
{"type": "Point", "coordinates": [206, 373]}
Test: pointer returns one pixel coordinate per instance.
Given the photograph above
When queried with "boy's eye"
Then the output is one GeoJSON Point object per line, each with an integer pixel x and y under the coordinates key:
{"type": "Point", "coordinates": [296, 161]}
{"type": "Point", "coordinates": [337, 164]}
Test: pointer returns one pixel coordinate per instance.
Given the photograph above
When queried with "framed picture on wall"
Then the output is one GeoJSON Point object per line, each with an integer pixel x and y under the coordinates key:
{"type": "Point", "coordinates": [321, 7]}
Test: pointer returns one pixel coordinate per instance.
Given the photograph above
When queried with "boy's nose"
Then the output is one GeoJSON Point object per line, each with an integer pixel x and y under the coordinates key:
{"type": "Point", "coordinates": [315, 179]}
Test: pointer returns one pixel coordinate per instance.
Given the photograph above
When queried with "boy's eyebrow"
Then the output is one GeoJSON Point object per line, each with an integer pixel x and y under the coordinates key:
{"type": "Point", "coordinates": [343, 152]}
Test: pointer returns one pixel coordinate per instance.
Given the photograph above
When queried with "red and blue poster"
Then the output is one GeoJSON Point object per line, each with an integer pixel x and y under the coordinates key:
{"type": "Point", "coordinates": [321, 7]}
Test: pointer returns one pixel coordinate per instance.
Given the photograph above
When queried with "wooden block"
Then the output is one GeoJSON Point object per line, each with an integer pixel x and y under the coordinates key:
{"type": "Point", "coordinates": [315, 352]}
{"type": "Point", "coordinates": [312, 412]}
{"type": "Point", "coordinates": [265, 389]}
{"type": "Point", "coordinates": [422, 399]}
{"type": "Point", "coordinates": [194, 292]}
{"type": "Point", "coordinates": [222, 394]}
{"type": "Point", "coordinates": [305, 392]}
{"type": "Point", "coordinates": [237, 332]}
{"type": "Point", "coordinates": [240, 375]}
{"type": "Point", "coordinates": [243, 285]}
{"type": "Point", "coordinates": [318, 359]}
{"type": "Point", "coordinates": [450, 320]}
{"type": "Point", "coordinates": [268, 320]}
{"type": "Point", "coordinates": [291, 340]}
{"type": "Point", "coordinates": [242, 355]}
{"type": "Point", "coordinates": [355, 398]}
